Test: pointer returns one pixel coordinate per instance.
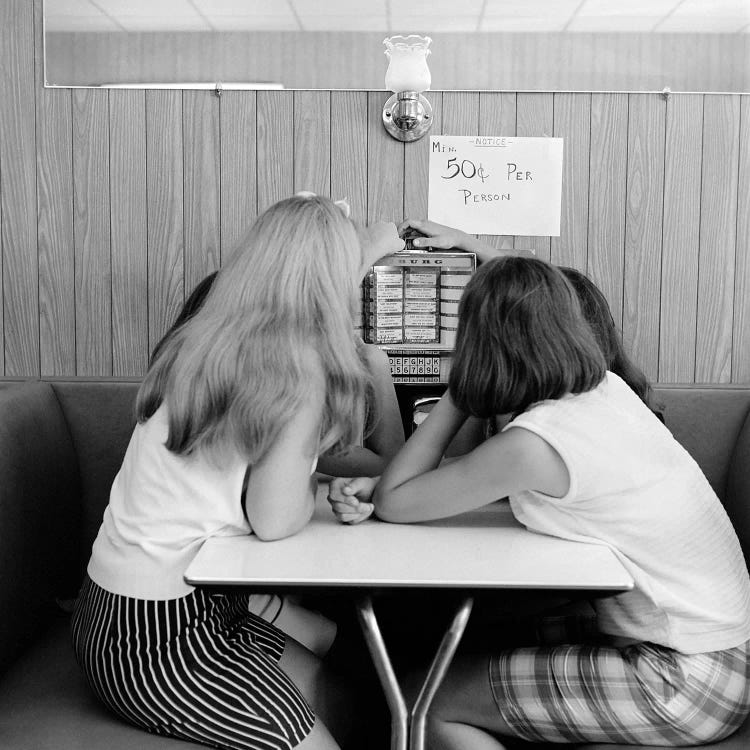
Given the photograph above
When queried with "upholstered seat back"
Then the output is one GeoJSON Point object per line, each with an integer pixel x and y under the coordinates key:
{"type": "Point", "coordinates": [40, 514]}
{"type": "Point", "coordinates": [707, 421]}
{"type": "Point", "coordinates": [101, 417]}
{"type": "Point", "coordinates": [737, 500]}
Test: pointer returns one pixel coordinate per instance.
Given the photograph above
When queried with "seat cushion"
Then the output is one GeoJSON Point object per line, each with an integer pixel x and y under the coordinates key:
{"type": "Point", "coordinates": [46, 704]}
{"type": "Point", "coordinates": [740, 740]}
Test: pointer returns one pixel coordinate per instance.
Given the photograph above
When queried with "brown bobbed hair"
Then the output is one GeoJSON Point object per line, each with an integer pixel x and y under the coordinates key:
{"type": "Point", "coordinates": [598, 314]}
{"type": "Point", "coordinates": [521, 339]}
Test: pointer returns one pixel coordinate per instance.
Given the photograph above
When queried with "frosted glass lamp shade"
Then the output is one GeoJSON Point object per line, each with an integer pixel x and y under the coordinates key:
{"type": "Point", "coordinates": [407, 115]}
{"type": "Point", "coordinates": [407, 63]}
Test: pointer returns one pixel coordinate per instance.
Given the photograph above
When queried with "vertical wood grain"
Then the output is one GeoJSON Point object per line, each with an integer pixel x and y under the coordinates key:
{"type": "Point", "coordinates": [385, 165]}
{"type": "Point", "coordinates": [643, 230]}
{"type": "Point", "coordinates": [164, 180]}
{"type": "Point", "coordinates": [92, 185]}
{"type": "Point", "coordinates": [91, 226]}
{"type": "Point", "coordinates": [680, 242]}
{"type": "Point", "coordinates": [349, 129]}
{"type": "Point", "coordinates": [741, 335]}
{"type": "Point", "coordinates": [460, 112]}
{"type": "Point", "coordinates": [275, 147]}
{"type": "Point", "coordinates": [607, 190]}
{"type": "Point", "coordinates": [497, 117]}
{"type": "Point", "coordinates": [417, 163]}
{"type": "Point", "coordinates": [18, 207]}
{"type": "Point", "coordinates": [312, 141]}
{"type": "Point", "coordinates": [718, 232]}
{"type": "Point", "coordinates": [535, 118]}
{"type": "Point", "coordinates": [57, 315]}
{"type": "Point", "coordinates": [54, 180]}
{"type": "Point", "coordinates": [129, 236]}
{"type": "Point", "coordinates": [572, 123]}
{"type": "Point", "coordinates": [239, 177]}
{"type": "Point", "coordinates": [202, 180]}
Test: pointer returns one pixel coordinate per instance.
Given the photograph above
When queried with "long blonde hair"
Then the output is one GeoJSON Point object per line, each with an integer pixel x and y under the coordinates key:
{"type": "Point", "coordinates": [277, 318]}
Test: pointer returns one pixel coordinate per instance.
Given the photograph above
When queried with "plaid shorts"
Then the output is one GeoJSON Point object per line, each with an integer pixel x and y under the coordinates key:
{"type": "Point", "coordinates": [640, 694]}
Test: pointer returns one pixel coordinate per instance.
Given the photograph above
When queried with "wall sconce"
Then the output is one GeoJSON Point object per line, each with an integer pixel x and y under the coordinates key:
{"type": "Point", "coordinates": [407, 115]}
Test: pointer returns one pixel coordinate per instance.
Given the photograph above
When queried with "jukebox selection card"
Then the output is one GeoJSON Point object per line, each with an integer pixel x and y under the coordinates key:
{"type": "Point", "coordinates": [402, 305]}
{"type": "Point", "coordinates": [410, 309]}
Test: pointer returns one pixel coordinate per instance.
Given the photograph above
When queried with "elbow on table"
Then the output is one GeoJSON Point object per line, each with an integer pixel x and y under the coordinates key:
{"type": "Point", "coordinates": [273, 529]}
{"type": "Point", "coordinates": [387, 506]}
{"type": "Point", "coordinates": [271, 535]}
{"type": "Point", "coordinates": [281, 515]}
{"type": "Point", "coordinates": [273, 532]}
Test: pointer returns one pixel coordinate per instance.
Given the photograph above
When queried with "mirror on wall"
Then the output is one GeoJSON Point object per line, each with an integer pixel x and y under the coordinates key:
{"type": "Point", "coordinates": [516, 45]}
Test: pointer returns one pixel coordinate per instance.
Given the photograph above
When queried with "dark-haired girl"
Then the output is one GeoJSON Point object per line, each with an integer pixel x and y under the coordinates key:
{"type": "Point", "coordinates": [598, 315]}
{"type": "Point", "coordinates": [584, 459]}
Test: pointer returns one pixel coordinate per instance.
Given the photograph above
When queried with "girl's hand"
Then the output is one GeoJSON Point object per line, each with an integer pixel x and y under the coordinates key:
{"type": "Point", "coordinates": [440, 237]}
{"type": "Point", "coordinates": [437, 235]}
{"type": "Point", "coordinates": [349, 498]}
{"type": "Point", "coordinates": [378, 239]}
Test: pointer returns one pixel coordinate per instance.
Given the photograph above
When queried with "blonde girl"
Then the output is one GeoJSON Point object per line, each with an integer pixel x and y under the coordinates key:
{"type": "Point", "coordinates": [266, 375]}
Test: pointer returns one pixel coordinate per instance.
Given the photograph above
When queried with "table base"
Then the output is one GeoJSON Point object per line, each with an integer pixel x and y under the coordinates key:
{"type": "Point", "coordinates": [408, 729]}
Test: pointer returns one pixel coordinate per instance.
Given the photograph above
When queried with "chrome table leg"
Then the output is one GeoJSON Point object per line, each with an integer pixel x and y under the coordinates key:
{"type": "Point", "coordinates": [379, 654]}
{"type": "Point", "coordinates": [435, 676]}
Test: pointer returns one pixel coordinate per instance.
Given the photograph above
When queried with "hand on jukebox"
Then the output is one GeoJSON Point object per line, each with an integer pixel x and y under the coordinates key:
{"type": "Point", "coordinates": [435, 236]}
{"type": "Point", "coordinates": [440, 237]}
{"type": "Point", "coordinates": [377, 240]}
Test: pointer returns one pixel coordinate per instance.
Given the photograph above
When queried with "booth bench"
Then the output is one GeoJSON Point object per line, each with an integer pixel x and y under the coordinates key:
{"type": "Point", "coordinates": [61, 444]}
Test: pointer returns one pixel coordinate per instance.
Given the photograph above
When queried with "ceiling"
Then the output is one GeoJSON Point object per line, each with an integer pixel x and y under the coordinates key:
{"type": "Point", "coordinates": [406, 16]}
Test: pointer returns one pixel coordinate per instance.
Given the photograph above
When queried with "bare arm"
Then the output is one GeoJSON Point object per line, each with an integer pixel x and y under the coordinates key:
{"type": "Point", "coordinates": [378, 239]}
{"type": "Point", "coordinates": [280, 496]}
{"type": "Point", "coordinates": [386, 438]}
{"type": "Point", "coordinates": [441, 237]}
{"type": "Point", "coordinates": [470, 435]}
{"type": "Point", "coordinates": [415, 488]}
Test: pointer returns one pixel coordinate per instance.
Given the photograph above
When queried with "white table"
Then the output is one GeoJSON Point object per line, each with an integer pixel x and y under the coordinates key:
{"type": "Point", "coordinates": [483, 549]}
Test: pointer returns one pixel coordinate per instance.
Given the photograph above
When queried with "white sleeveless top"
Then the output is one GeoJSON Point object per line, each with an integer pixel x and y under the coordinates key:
{"type": "Point", "coordinates": [162, 508]}
{"type": "Point", "coordinates": [634, 488]}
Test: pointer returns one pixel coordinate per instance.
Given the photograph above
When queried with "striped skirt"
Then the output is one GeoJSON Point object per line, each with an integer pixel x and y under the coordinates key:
{"type": "Point", "coordinates": [642, 694]}
{"type": "Point", "coordinates": [199, 668]}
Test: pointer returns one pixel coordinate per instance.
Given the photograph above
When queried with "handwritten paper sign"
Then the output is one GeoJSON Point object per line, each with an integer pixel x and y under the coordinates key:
{"type": "Point", "coordinates": [495, 184]}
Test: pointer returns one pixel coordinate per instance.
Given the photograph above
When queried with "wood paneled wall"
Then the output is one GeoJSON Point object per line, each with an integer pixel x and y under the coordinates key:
{"type": "Point", "coordinates": [115, 203]}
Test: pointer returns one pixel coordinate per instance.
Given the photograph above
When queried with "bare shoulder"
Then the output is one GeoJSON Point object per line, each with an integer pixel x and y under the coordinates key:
{"type": "Point", "coordinates": [375, 358]}
{"type": "Point", "coordinates": [521, 437]}
{"type": "Point", "coordinates": [312, 365]}
{"type": "Point", "coordinates": [535, 463]}
{"type": "Point", "coordinates": [520, 445]}
{"type": "Point", "coordinates": [310, 384]}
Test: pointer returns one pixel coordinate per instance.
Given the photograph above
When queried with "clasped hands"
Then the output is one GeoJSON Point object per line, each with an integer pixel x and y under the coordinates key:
{"type": "Point", "coordinates": [350, 498]}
